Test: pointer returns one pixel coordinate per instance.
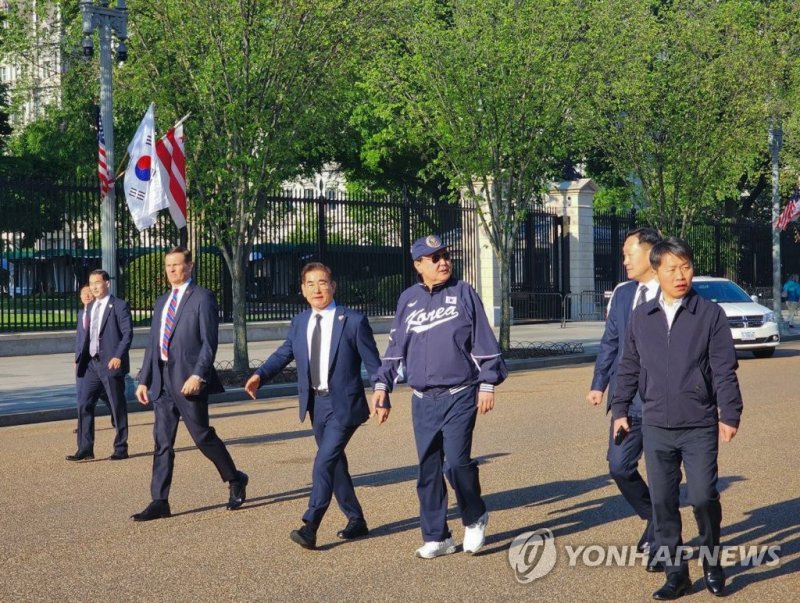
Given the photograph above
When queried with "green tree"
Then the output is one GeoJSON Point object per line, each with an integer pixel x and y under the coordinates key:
{"type": "Point", "coordinates": [676, 101]}
{"type": "Point", "coordinates": [487, 85]}
{"type": "Point", "coordinates": [261, 80]}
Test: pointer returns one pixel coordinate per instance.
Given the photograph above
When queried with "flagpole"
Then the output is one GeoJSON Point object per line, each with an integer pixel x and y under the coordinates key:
{"type": "Point", "coordinates": [106, 21]}
{"type": "Point", "coordinates": [181, 120]}
{"type": "Point", "coordinates": [120, 171]}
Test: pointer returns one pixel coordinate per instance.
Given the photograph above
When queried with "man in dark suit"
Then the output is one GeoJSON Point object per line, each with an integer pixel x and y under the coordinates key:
{"type": "Point", "coordinates": [623, 458]}
{"type": "Point", "coordinates": [328, 343]}
{"type": "Point", "coordinates": [178, 375]}
{"type": "Point", "coordinates": [101, 366]}
{"type": "Point", "coordinates": [82, 331]}
{"type": "Point", "coordinates": [679, 356]}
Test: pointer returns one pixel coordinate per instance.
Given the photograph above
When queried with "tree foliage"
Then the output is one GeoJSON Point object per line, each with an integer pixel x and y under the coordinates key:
{"type": "Point", "coordinates": [261, 78]}
{"type": "Point", "coordinates": [487, 85]}
{"type": "Point", "coordinates": [677, 96]}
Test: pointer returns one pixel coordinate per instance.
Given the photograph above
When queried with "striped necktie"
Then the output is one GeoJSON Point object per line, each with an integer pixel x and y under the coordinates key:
{"type": "Point", "coordinates": [169, 323]}
{"type": "Point", "coordinates": [85, 317]}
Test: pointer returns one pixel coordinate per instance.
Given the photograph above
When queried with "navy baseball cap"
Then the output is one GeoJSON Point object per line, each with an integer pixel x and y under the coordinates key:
{"type": "Point", "coordinates": [426, 246]}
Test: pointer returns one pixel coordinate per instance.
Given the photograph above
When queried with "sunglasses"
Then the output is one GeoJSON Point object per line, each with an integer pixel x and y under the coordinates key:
{"type": "Point", "coordinates": [442, 255]}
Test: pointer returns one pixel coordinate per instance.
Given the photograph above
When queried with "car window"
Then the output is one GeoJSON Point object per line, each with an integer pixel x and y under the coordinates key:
{"type": "Point", "coordinates": [721, 291]}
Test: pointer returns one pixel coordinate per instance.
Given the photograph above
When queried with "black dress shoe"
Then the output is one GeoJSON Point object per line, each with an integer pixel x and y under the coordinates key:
{"type": "Point", "coordinates": [715, 579]}
{"type": "Point", "coordinates": [119, 456]}
{"type": "Point", "coordinates": [306, 536]}
{"type": "Point", "coordinates": [157, 509]}
{"type": "Point", "coordinates": [80, 456]}
{"type": "Point", "coordinates": [675, 587]}
{"type": "Point", "coordinates": [356, 528]}
{"type": "Point", "coordinates": [238, 488]}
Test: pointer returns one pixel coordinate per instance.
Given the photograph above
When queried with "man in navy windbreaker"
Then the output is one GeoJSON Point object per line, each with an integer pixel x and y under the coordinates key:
{"type": "Point", "coordinates": [442, 341]}
{"type": "Point", "coordinates": [679, 356]}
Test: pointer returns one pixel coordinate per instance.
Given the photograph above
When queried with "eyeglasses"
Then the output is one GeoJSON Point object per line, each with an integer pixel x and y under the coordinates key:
{"type": "Point", "coordinates": [444, 255]}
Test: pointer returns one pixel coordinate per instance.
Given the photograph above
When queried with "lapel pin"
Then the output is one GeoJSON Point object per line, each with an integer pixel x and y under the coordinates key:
{"type": "Point", "coordinates": [341, 317]}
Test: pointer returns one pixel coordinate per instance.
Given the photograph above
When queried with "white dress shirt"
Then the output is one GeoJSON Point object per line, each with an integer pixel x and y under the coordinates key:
{"type": "Point", "coordinates": [96, 320]}
{"type": "Point", "coordinates": [326, 330]}
{"type": "Point", "coordinates": [650, 293]}
{"type": "Point", "coordinates": [670, 310]}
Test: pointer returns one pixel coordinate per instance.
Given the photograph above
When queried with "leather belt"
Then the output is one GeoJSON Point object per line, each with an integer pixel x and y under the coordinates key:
{"type": "Point", "coordinates": [320, 393]}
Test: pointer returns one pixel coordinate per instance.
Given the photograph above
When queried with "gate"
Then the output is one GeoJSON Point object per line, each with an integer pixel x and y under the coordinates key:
{"type": "Point", "coordinates": [539, 268]}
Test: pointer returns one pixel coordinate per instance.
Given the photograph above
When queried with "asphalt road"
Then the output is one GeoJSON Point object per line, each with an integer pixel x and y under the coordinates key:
{"type": "Point", "coordinates": [66, 535]}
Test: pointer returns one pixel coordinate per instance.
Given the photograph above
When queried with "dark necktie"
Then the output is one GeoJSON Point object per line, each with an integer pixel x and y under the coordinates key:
{"type": "Point", "coordinates": [316, 352]}
{"type": "Point", "coordinates": [642, 296]}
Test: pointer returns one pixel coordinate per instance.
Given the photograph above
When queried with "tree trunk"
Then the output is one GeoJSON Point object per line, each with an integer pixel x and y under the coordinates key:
{"type": "Point", "coordinates": [241, 360]}
{"type": "Point", "coordinates": [505, 301]}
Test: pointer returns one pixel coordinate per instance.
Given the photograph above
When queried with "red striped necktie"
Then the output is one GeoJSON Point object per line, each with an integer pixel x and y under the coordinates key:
{"type": "Point", "coordinates": [169, 323]}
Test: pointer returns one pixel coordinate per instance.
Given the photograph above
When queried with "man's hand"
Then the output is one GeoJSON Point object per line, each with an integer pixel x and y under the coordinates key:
{"type": "Point", "coordinates": [621, 422]}
{"type": "Point", "coordinates": [252, 385]}
{"type": "Point", "coordinates": [726, 432]}
{"type": "Point", "coordinates": [141, 395]}
{"type": "Point", "coordinates": [485, 402]}
{"type": "Point", "coordinates": [192, 386]}
{"type": "Point", "coordinates": [378, 407]}
{"type": "Point", "coordinates": [594, 397]}
{"type": "Point", "coordinates": [114, 364]}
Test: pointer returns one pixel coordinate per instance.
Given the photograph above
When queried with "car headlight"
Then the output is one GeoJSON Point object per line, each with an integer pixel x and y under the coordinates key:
{"type": "Point", "coordinates": [769, 317]}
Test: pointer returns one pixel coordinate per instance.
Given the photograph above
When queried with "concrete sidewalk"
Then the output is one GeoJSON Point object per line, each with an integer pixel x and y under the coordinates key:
{"type": "Point", "coordinates": [41, 387]}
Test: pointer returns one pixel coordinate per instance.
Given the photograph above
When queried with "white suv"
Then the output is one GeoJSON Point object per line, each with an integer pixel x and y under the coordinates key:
{"type": "Point", "coordinates": [753, 326]}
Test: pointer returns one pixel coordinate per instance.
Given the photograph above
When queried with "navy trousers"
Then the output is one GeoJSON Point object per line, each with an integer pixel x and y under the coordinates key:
{"type": "Point", "coordinates": [170, 406]}
{"type": "Point", "coordinates": [91, 386]}
{"type": "Point", "coordinates": [443, 429]}
{"type": "Point", "coordinates": [330, 476]}
{"type": "Point", "coordinates": [623, 464]}
{"type": "Point", "coordinates": [664, 451]}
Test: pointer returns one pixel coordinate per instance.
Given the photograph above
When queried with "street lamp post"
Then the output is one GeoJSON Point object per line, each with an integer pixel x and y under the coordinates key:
{"type": "Point", "coordinates": [107, 21]}
{"type": "Point", "coordinates": [775, 143]}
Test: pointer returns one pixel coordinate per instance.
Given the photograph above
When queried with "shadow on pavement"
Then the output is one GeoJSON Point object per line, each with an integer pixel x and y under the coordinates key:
{"type": "Point", "coordinates": [775, 524]}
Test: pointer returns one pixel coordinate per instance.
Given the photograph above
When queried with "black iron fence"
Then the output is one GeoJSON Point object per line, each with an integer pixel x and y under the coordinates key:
{"type": "Point", "coordinates": [539, 268]}
{"type": "Point", "coordinates": [50, 242]}
{"type": "Point", "coordinates": [741, 251]}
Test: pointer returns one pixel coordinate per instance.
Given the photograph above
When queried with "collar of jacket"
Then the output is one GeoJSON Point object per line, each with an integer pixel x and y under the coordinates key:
{"type": "Point", "coordinates": [690, 302]}
{"type": "Point", "coordinates": [448, 283]}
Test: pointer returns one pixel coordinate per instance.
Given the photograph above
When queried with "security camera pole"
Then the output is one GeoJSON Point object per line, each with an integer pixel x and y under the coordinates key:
{"type": "Point", "coordinates": [106, 20]}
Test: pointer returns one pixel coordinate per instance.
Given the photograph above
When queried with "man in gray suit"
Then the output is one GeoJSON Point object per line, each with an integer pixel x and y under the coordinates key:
{"type": "Point", "coordinates": [178, 375]}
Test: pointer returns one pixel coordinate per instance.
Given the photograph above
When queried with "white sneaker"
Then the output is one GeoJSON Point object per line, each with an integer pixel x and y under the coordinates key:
{"type": "Point", "coordinates": [432, 549]}
{"type": "Point", "coordinates": [474, 534]}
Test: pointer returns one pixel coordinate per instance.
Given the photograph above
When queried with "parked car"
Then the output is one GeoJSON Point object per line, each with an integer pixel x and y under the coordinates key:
{"type": "Point", "coordinates": [753, 326]}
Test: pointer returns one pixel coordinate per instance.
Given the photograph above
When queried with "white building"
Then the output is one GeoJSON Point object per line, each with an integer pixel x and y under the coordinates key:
{"type": "Point", "coordinates": [33, 78]}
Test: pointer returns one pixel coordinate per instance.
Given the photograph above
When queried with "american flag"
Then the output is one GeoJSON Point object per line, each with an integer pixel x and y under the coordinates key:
{"type": "Point", "coordinates": [102, 166]}
{"type": "Point", "coordinates": [790, 212]}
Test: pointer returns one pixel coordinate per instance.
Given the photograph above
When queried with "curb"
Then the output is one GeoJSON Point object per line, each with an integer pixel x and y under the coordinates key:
{"type": "Point", "coordinates": [278, 390]}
